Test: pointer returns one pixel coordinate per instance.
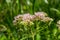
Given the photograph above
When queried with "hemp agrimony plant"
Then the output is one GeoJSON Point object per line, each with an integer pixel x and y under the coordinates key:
{"type": "Point", "coordinates": [32, 26]}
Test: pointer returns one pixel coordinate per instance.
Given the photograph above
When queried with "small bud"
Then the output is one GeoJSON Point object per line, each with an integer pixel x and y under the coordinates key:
{"type": "Point", "coordinates": [24, 23]}
{"type": "Point", "coordinates": [31, 23]}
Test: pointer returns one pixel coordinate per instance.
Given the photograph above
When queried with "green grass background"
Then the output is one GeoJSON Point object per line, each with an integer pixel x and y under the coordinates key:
{"type": "Point", "coordinates": [11, 8]}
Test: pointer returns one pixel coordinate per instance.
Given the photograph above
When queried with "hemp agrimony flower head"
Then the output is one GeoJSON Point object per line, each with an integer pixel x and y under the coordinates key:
{"type": "Point", "coordinates": [47, 19]}
{"type": "Point", "coordinates": [17, 19]}
{"type": "Point", "coordinates": [24, 19]}
{"type": "Point", "coordinates": [40, 15]}
{"type": "Point", "coordinates": [43, 17]}
{"type": "Point", "coordinates": [27, 18]}
{"type": "Point", "coordinates": [33, 17]}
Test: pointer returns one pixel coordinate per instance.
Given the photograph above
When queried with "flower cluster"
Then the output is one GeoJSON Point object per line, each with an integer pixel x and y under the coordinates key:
{"type": "Point", "coordinates": [27, 18]}
{"type": "Point", "coordinates": [43, 17]}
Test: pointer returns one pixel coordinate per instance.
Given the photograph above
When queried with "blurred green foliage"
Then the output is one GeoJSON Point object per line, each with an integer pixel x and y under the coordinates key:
{"type": "Point", "coordinates": [11, 8]}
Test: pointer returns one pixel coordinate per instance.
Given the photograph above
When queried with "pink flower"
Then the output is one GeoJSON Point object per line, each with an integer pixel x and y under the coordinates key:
{"type": "Point", "coordinates": [32, 17]}
{"type": "Point", "coordinates": [47, 19]}
{"type": "Point", "coordinates": [40, 15]}
{"type": "Point", "coordinates": [26, 17]}
{"type": "Point", "coordinates": [18, 16]}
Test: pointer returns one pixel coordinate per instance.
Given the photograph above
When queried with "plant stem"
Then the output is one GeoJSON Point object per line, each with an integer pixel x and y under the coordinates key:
{"type": "Point", "coordinates": [33, 37]}
{"type": "Point", "coordinates": [32, 34]}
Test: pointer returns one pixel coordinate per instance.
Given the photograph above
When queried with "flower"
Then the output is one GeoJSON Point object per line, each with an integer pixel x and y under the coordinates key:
{"type": "Point", "coordinates": [47, 19]}
{"type": "Point", "coordinates": [18, 17]}
{"type": "Point", "coordinates": [26, 17]}
{"type": "Point", "coordinates": [40, 15]}
{"type": "Point", "coordinates": [33, 17]}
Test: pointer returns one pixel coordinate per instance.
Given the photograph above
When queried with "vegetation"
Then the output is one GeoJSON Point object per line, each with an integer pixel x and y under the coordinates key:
{"type": "Point", "coordinates": [29, 19]}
